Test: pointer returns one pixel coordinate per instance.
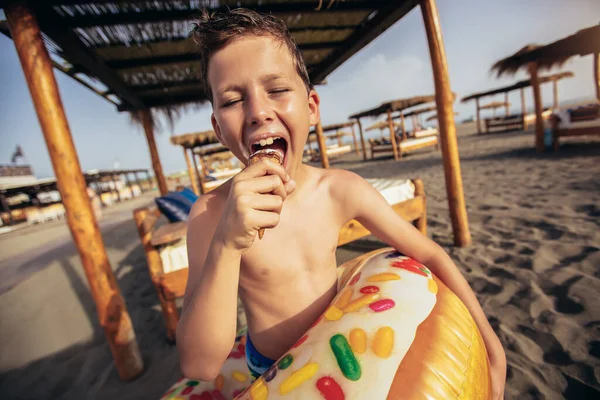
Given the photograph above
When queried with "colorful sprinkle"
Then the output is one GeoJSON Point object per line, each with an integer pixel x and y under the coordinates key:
{"type": "Point", "coordinates": [219, 382]}
{"type": "Point", "coordinates": [410, 265]}
{"type": "Point", "coordinates": [382, 305]}
{"type": "Point", "coordinates": [358, 340]}
{"type": "Point", "coordinates": [243, 340]}
{"type": "Point", "coordinates": [345, 357]}
{"type": "Point", "coordinates": [201, 396]}
{"type": "Point", "coordinates": [383, 342]}
{"type": "Point", "coordinates": [217, 395]}
{"type": "Point", "coordinates": [333, 313]}
{"type": "Point", "coordinates": [285, 362]}
{"type": "Point", "coordinates": [369, 289]}
{"type": "Point", "coordinates": [236, 354]}
{"type": "Point", "coordinates": [302, 359]}
{"type": "Point", "coordinates": [298, 378]}
{"type": "Point", "coordinates": [354, 280]}
{"type": "Point", "coordinates": [187, 390]}
{"type": "Point", "coordinates": [360, 302]}
{"type": "Point", "coordinates": [300, 341]}
{"type": "Point", "coordinates": [343, 298]}
{"type": "Point", "coordinates": [386, 276]}
{"type": "Point", "coordinates": [270, 374]}
{"type": "Point", "coordinates": [239, 376]}
{"type": "Point", "coordinates": [192, 383]}
{"type": "Point", "coordinates": [330, 389]}
{"type": "Point", "coordinates": [432, 286]}
{"type": "Point", "coordinates": [316, 322]}
{"type": "Point", "coordinates": [258, 390]}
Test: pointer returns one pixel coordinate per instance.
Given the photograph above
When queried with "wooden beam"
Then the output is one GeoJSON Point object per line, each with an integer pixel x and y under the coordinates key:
{"type": "Point", "coordinates": [537, 101]}
{"type": "Point", "coordinates": [362, 139]}
{"type": "Point", "coordinates": [393, 135]}
{"type": "Point", "coordinates": [322, 145]}
{"type": "Point", "coordinates": [201, 175]}
{"type": "Point", "coordinates": [506, 105]}
{"type": "Point", "coordinates": [555, 94]}
{"type": "Point", "coordinates": [354, 139]}
{"type": "Point", "coordinates": [191, 172]}
{"type": "Point", "coordinates": [597, 74]}
{"type": "Point", "coordinates": [403, 125]}
{"type": "Point", "coordinates": [477, 116]}
{"type": "Point", "coordinates": [148, 124]}
{"type": "Point", "coordinates": [111, 308]}
{"type": "Point", "coordinates": [523, 109]}
{"type": "Point", "coordinates": [444, 100]}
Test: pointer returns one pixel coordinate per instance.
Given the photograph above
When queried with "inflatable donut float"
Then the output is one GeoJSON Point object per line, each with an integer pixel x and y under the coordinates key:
{"type": "Point", "coordinates": [394, 331]}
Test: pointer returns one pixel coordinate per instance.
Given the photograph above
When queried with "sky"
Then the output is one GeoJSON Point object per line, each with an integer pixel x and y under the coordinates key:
{"type": "Point", "coordinates": [395, 65]}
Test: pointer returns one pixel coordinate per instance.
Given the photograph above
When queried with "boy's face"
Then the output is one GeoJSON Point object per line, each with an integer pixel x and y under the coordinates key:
{"type": "Point", "coordinates": [259, 96]}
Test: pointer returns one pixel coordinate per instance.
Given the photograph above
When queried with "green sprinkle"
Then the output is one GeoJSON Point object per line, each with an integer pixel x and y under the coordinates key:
{"type": "Point", "coordinates": [285, 361]}
{"type": "Point", "coordinates": [345, 357]}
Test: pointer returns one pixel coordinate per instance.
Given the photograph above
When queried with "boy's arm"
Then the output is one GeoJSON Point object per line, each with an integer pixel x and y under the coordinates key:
{"type": "Point", "coordinates": [367, 206]}
{"type": "Point", "coordinates": [206, 329]}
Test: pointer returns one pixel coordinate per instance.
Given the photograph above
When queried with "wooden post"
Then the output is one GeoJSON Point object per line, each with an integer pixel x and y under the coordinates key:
{"type": "Point", "coordinates": [403, 125]}
{"type": "Point", "coordinates": [339, 138]}
{"type": "Point", "coordinates": [193, 174]}
{"type": "Point", "coordinates": [156, 165]}
{"type": "Point", "coordinates": [355, 142]}
{"type": "Point", "coordinates": [321, 143]}
{"type": "Point", "coordinates": [537, 100]}
{"type": "Point", "coordinates": [555, 94]}
{"type": "Point", "coordinates": [112, 178]}
{"type": "Point", "coordinates": [199, 175]}
{"type": "Point", "coordinates": [362, 139]}
{"type": "Point", "coordinates": [477, 116]}
{"type": "Point", "coordinates": [137, 180]}
{"type": "Point", "coordinates": [523, 109]}
{"type": "Point", "coordinates": [393, 135]}
{"type": "Point", "coordinates": [444, 100]}
{"type": "Point", "coordinates": [110, 306]}
{"type": "Point", "coordinates": [597, 74]}
{"type": "Point", "coordinates": [506, 105]}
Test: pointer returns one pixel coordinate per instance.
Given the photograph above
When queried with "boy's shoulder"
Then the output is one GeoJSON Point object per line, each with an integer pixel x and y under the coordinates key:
{"type": "Point", "coordinates": [340, 182]}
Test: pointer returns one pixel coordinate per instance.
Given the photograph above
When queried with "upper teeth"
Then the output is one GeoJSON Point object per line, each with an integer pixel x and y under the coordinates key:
{"type": "Point", "coordinates": [267, 141]}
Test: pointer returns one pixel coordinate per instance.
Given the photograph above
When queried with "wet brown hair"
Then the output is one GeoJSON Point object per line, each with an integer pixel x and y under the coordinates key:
{"type": "Point", "coordinates": [214, 30]}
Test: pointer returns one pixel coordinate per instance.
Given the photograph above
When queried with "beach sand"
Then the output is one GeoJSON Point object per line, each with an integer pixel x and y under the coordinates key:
{"type": "Point", "coordinates": [534, 265]}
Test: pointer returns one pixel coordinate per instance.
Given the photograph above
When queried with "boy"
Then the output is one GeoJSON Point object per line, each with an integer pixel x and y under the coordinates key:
{"type": "Point", "coordinates": [262, 98]}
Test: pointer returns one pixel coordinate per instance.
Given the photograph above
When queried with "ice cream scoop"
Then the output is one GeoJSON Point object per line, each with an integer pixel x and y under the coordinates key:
{"type": "Point", "coordinates": [272, 154]}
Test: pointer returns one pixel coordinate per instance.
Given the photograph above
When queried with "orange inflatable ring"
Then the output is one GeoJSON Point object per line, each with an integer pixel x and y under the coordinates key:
{"type": "Point", "coordinates": [394, 331]}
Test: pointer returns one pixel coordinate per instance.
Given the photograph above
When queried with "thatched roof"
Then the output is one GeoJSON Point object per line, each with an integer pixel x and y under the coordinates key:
{"type": "Point", "coordinates": [335, 127]}
{"type": "Point", "coordinates": [519, 85]}
{"type": "Point", "coordinates": [585, 41]}
{"type": "Point", "coordinates": [381, 125]}
{"type": "Point", "coordinates": [139, 54]}
{"type": "Point", "coordinates": [417, 111]}
{"type": "Point", "coordinates": [191, 140]}
{"type": "Point", "coordinates": [494, 104]}
{"type": "Point", "coordinates": [394, 105]}
{"type": "Point", "coordinates": [434, 117]}
{"type": "Point", "coordinates": [209, 149]}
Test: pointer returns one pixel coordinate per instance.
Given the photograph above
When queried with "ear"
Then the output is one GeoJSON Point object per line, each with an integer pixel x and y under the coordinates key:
{"type": "Point", "coordinates": [216, 128]}
{"type": "Point", "coordinates": [313, 107]}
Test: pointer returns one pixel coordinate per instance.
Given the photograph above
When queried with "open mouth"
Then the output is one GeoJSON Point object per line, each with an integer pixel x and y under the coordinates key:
{"type": "Point", "coordinates": [271, 144]}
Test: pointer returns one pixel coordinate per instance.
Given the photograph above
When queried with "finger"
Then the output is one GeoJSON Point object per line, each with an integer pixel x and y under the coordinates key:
{"type": "Point", "coordinates": [264, 184]}
{"type": "Point", "coordinates": [265, 219]}
{"type": "Point", "coordinates": [290, 186]}
{"type": "Point", "coordinates": [265, 166]}
{"type": "Point", "coordinates": [267, 202]}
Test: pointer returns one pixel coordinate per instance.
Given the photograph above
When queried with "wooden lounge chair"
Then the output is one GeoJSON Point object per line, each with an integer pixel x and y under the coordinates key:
{"type": "Point", "coordinates": [514, 122]}
{"type": "Point", "coordinates": [584, 121]}
{"type": "Point", "coordinates": [404, 146]}
{"type": "Point", "coordinates": [165, 245]}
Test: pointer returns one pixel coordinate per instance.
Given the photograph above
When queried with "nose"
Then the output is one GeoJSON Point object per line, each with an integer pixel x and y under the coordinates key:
{"type": "Point", "coordinates": [258, 109]}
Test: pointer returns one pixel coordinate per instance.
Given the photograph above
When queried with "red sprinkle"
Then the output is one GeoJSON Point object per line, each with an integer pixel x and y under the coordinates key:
{"type": "Point", "coordinates": [300, 341]}
{"type": "Point", "coordinates": [382, 305]}
{"type": "Point", "coordinates": [330, 389]}
{"type": "Point", "coordinates": [409, 265]}
{"type": "Point", "coordinates": [217, 395]}
{"type": "Point", "coordinates": [203, 396]}
{"type": "Point", "coordinates": [188, 390]}
{"type": "Point", "coordinates": [317, 321]}
{"type": "Point", "coordinates": [236, 354]}
{"type": "Point", "coordinates": [369, 289]}
{"type": "Point", "coordinates": [354, 280]}
{"type": "Point", "coordinates": [241, 348]}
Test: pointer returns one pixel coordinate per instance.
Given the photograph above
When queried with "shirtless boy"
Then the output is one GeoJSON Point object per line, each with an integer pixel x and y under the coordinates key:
{"type": "Point", "coordinates": [261, 96]}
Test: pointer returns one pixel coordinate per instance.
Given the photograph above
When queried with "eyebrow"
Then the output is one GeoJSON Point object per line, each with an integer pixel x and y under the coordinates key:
{"type": "Point", "coordinates": [264, 79]}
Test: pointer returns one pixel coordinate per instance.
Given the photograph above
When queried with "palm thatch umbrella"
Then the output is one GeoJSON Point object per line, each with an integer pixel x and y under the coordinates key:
{"type": "Point", "coordinates": [535, 57]}
{"type": "Point", "coordinates": [190, 143]}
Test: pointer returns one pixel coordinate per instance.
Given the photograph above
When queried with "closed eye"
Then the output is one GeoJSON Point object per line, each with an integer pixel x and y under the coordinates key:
{"type": "Point", "coordinates": [282, 90]}
{"type": "Point", "coordinates": [229, 103]}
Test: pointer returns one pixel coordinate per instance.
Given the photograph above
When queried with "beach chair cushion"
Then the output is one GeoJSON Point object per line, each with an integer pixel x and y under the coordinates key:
{"type": "Point", "coordinates": [189, 194]}
{"type": "Point", "coordinates": [393, 190]}
{"type": "Point", "coordinates": [175, 206]}
{"type": "Point", "coordinates": [174, 256]}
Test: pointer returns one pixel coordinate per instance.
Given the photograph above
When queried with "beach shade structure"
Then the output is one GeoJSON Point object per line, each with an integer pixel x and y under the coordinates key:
{"type": "Point", "coordinates": [494, 105]}
{"type": "Point", "coordinates": [434, 117]}
{"type": "Point", "coordinates": [413, 115]}
{"type": "Point", "coordinates": [140, 57]}
{"type": "Point", "coordinates": [517, 121]}
{"type": "Point", "coordinates": [534, 58]}
{"type": "Point", "coordinates": [190, 142]}
{"type": "Point", "coordinates": [320, 133]}
{"type": "Point", "coordinates": [381, 125]}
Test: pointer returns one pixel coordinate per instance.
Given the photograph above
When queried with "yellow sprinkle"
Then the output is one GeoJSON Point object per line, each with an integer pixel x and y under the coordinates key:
{"type": "Point", "coordinates": [383, 342]}
{"type": "Point", "coordinates": [258, 390]}
{"type": "Point", "coordinates": [360, 302]}
{"type": "Point", "coordinates": [343, 298]}
{"type": "Point", "coordinates": [432, 286]}
{"type": "Point", "coordinates": [177, 398]}
{"type": "Point", "coordinates": [298, 377]}
{"type": "Point", "coordinates": [219, 382]}
{"type": "Point", "coordinates": [333, 313]}
{"type": "Point", "coordinates": [239, 376]}
{"type": "Point", "coordinates": [386, 276]}
{"type": "Point", "coordinates": [358, 340]}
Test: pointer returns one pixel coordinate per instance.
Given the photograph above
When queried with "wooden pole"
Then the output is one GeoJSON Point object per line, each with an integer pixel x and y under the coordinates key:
{"type": "Point", "coordinates": [156, 165]}
{"type": "Point", "coordinates": [112, 178]}
{"type": "Point", "coordinates": [403, 125]}
{"type": "Point", "coordinates": [199, 176]}
{"type": "Point", "coordinates": [477, 112]}
{"type": "Point", "coordinates": [193, 174]}
{"type": "Point", "coordinates": [555, 94]}
{"type": "Point", "coordinates": [137, 180]}
{"type": "Point", "coordinates": [444, 100]}
{"type": "Point", "coordinates": [597, 74]}
{"type": "Point", "coordinates": [321, 143]}
{"type": "Point", "coordinates": [110, 306]}
{"type": "Point", "coordinates": [537, 100]}
{"type": "Point", "coordinates": [362, 139]}
{"type": "Point", "coordinates": [506, 105]}
{"type": "Point", "coordinates": [339, 138]}
{"type": "Point", "coordinates": [523, 109]}
{"type": "Point", "coordinates": [393, 135]}
{"type": "Point", "coordinates": [355, 142]}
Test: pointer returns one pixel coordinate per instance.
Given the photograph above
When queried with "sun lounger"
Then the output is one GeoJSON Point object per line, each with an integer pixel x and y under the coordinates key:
{"type": "Point", "coordinates": [166, 252]}
{"type": "Point", "coordinates": [404, 146]}
{"type": "Point", "coordinates": [581, 121]}
{"type": "Point", "coordinates": [425, 133]}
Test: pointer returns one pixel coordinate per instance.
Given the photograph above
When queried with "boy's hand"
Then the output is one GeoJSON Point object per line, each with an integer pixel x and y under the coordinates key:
{"type": "Point", "coordinates": [255, 201]}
